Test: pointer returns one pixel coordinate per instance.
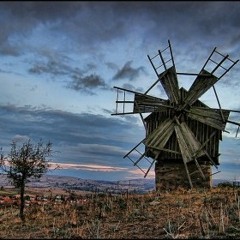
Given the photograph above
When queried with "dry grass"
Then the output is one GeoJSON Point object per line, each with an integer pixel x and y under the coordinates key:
{"type": "Point", "coordinates": [183, 214]}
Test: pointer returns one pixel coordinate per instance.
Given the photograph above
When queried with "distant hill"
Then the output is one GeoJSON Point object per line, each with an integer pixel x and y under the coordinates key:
{"type": "Point", "coordinates": [141, 185]}
{"type": "Point", "coordinates": [217, 181]}
{"type": "Point", "coordinates": [74, 183]}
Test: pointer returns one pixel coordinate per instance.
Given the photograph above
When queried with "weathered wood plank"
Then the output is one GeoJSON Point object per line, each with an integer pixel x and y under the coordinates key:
{"type": "Point", "coordinates": [199, 87]}
{"type": "Point", "coordinates": [169, 82]}
{"type": "Point", "coordinates": [182, 145]}
{"type": "Point", "coordinates": [188, 143]}
{"type": "Point", "coordinates": [211, 117]}
{"type": "Point", "coordinates": [146, 103]}
{"type": "Point", "coordinates": [159, 137]}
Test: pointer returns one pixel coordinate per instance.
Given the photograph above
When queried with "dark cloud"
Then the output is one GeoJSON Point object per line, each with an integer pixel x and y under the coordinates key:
{"type": "Point", "coordinates": [112, 66]}
{"type": "Point", "coordinates": [91, 66]}
{"type": "Point", "coordinates": [51, 67]}
{"type": "Point", "coordinates": [55, 64]}
{"type": "Point", "coordinates": [73, 20]}
{"type": "Point", "coordinates": [78, 79]}
{"type": "Point", "coordinates": [185, 22]}
{"type": "Point", "coordinates": [87, 83]}
{"type": "Point", "coordinates": [40, 10]}
{"type": "Point", "coordinates": [128, 72]}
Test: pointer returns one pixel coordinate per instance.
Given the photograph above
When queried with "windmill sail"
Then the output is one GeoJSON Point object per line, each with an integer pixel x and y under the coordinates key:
{"type": "Point", "coordinates": [202, 83]}
{"type": "Point", "coordinates": [169, 82]}
{"type": "Point", "coordinates": [144, 103]}
{"type": "Point", "coordinates": [159, 137]}
{"type": "Point", "coordinates": [188, 143]}
{"type": "Point", "coordinates": [211, 117]}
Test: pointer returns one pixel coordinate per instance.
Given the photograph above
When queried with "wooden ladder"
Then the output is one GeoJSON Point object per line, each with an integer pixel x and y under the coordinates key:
{"type": "Point", "coordinates": [141, 156]}
{"type": "Point", "coordinates": [163, 62]}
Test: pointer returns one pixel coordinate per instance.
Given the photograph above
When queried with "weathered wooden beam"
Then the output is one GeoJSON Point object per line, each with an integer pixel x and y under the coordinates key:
{"type": "Point", "coordinates": [204, 144]}
{"type": "Point", "coordinates": [169, 82]}
{"type": "Point", "coordinates": [164, 149]}
{"type": "Point", "coordinates": [219, 105]}
{"type": "Point", "coordinates": [209, 116]}
{"type": "Point", "coordinates": [149, 168]}
{"type": "Point", "coordinates": [160, 136]}
{"type": "Point", "coordinates": [188, 143]}
{"type": "Point", "coordinates": [134, 148]}
{"type": "Point", "coordinates": [136, 165]}
{"type": "Point", "coordinates": [233, 122]}
{"type": "Point", "coordinates": [170, 47]}
{"type": "Point", "coordinates": [198, 88]}
{"type": "Point", "coordinates": [237, 131]}
{"type": "Point", "coordinates": [209, 58]}
{"type": "Point", "coordinates": [199, 168]}
{"type": "Point", "coordinates": [194, 74]}
{"type": "Point", "coordinates": [188, 175]}
{"type": "Point", "coordinates": [144, 124]}
{"type": "Point", "coordinates": [126, 113]}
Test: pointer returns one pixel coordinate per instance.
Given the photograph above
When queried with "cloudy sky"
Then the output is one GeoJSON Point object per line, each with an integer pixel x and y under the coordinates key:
{"type": "Point", "coordinates": [59, 62]}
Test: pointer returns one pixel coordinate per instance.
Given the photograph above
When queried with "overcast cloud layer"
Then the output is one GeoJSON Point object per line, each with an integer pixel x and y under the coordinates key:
{"type": "Point", "coordinates": [59, 62]}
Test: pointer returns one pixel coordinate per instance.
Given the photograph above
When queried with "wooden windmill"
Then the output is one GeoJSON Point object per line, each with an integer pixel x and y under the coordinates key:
{"type": "Point", "coordinates": [182, 133]}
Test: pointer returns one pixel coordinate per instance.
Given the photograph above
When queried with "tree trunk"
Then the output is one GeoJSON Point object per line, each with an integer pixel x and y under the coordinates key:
{"type": "Point", "coordinates": [22, 201]}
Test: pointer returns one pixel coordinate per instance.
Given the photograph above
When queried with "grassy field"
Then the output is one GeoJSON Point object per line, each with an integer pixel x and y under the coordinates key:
{"type": "Point", "coordinates": [182, 214]}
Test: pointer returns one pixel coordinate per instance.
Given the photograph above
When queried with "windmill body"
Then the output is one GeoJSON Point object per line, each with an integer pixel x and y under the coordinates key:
{"type": "Point", "coordinates": [182, 133]}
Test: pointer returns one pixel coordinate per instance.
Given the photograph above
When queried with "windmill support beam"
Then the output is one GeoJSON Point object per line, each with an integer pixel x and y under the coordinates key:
{"type": "Point", "coordinates": [155, 83]}
{"type": "Point", "coordinates": [170, 47]}
{"type": "Point", "coordinates": [199, 168]}
{"type": "Point", "coordinates": [188, 175]}
{"type": "Point", "coordinates": [134, 148]}
{"type": "Point", "coordinates": [223, 119]}
{"type": "Point", "coordinates": [236, 123]}
{"type": "Point", "coordinates": [208, 58]}
{"type": "Point", "coordinates": [215, 173]}
{"type": "Point", "coordinates": [141, 157]}
{"type": "Point", "coordinates": [144, 124]}
{"type": "Point", "coordinates": [193, 74]}
{"type": "Point", "coordinates": [113, 114]}
{"type": "Point", "coordinates": [237, 131]}
{"type": "Point", "coordinates": [160, 54]}
{"type": "Point", "coordinates": [149, 168]}
{"type": "Point", "coordinates": [127, 90]}
{"type": "Point", "coordinates": [203, 145]}
{"type": "Point", "coordinates": [152, 65]}
{"type": "Point", "coordinates": [228, 69]}
{"type": "Point", "coordinates": [219, 64]}
{"type": "Point", "coordinates": [164, 149]}
{"type": "Point", "coordinates": [136, 165]}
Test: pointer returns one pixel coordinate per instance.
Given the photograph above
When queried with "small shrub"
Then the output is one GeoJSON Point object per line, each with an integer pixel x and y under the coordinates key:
{"type": "Point", "coordinates": [122, 204]}
{"type": "Point", "coordinates": [225, 184]}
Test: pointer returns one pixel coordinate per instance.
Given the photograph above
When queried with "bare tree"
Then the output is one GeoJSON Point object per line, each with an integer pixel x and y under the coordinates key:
{"type": "Point", "coordinates": [24, 162]}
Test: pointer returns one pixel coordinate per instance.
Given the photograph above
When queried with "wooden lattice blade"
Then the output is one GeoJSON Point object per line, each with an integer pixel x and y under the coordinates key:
{"type": "Point", "coordinates": [159, 137]}
{"type": "Point", "coordinates": [169, 82]}
{"type": "Point", "coordinates": [202, 83]}
{"type": "Point", "coordinates": [210, 116]}
{"type": "Point", "coordinates": [144, 103]}
{"type": "Point", "coordinates": [189, 146]}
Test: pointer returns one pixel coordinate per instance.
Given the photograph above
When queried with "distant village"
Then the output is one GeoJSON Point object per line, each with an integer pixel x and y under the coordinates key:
{"type": "Point", "coordinates": [73, 190]}
{"type": "Point", "coordinates": [30, 199]}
